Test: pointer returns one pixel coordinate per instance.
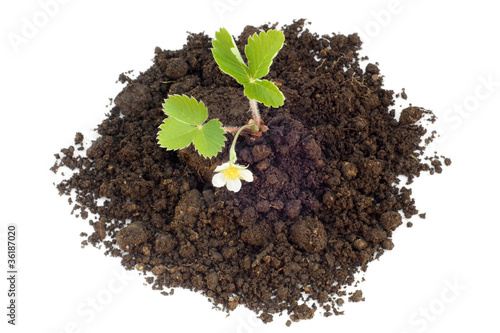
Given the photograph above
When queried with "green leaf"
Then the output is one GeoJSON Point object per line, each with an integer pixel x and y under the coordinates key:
{"type": "Point", "coordinates": [210, 139]}
{"type": "Point", "coordinates": [175, 134]}
{"type": "Point", "coordinates": [261, 50]}
{"type": "Point", "coordinates": [228, 57]}
{"type": "Point", "coordinates": [186, 110]}
{"type": "Point", "coordinates": [185, 126]}
{"type": "Point", "coordinates": [265, 92]}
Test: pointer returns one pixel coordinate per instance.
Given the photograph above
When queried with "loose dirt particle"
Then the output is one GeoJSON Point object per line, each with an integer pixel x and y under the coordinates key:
{"type": "Point", "coordinates": [357, 296]}
{"type": "Point", "coordinates": [390, 220]}
{"type": "Point", "coordinates": [309, 234]}
{"type": "Point", "coordinates": [131, 236]}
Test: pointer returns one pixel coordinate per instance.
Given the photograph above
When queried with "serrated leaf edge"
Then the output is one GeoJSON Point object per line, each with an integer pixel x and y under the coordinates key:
{"type": "Point", "coordinates": [270, 105]}
{"type": "Point", "coordinates": [161, 129]}
{"type": "Point", "coordinates": [275, 54]}
{"type": "Point", "coordinates": [191, 98]}
{"type": "Point", "coordinates": [220, 148]}
{"type": "Point", "coordinates": [192, 141]}
{"type": "Point", "coordinates": [234, 50]}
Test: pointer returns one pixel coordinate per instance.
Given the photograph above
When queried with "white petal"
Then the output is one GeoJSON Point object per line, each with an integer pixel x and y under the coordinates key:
{"type": "Point", "coordinates": [234, 185]}
{"type": "Point", "coordinates": [246, 175]}
{"type": "Point", "coordinates": [222, 167]}
{"type": "Point", "coordinates": [218, 180]}
{"type": "Point", "coordinates": [239, 167]}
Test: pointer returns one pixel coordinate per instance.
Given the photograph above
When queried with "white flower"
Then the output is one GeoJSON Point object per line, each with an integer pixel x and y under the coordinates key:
{"type": "Point", "coordinates": [229, 175]}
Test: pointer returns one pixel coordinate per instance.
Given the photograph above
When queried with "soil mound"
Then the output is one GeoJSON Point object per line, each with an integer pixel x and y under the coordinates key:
{"type": "Point", "coordinates": [324, 202]}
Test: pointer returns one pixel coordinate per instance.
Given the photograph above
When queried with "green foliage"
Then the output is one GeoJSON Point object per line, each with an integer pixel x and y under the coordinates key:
{"type": "Point", "coordinates": [260, 52]}
{"type": "Point", "coordinates": [185, 125]}
{"type": "Point", "coordinates": [186, 109]}
{"type": "Point", "coordinates": [265, 92]}
{"type": "Point", "coordinates": [228, 57]}
{"type": "Point", "coordinates": [186, 122]}
{"type": "Point", "coordinates": [175, 134]}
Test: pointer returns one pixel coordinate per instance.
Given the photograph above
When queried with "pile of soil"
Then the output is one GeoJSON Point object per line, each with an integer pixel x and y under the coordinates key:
{"type": "Point", "coordinates": [325, 200]}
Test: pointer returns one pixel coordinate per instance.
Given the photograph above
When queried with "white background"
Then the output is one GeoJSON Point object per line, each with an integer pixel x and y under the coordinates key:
{"type": "Point", "coordinates": [58, 79]}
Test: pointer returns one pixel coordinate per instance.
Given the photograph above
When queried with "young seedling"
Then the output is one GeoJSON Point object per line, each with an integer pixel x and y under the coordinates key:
{"type": "Point", "coordinates": [260, 51]}
{"type": "Point", "coordinates": [186, 121]}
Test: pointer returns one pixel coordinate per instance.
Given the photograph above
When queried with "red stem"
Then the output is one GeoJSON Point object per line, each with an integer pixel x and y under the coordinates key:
{"type": "Point", "coordinates": [255, 111]}
{"type": "Point", "coordinates": [230, 129]}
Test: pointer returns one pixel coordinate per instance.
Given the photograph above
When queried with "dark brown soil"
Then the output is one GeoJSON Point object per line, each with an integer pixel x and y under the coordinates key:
{"type": "Point", "coordinates": [324, 202]}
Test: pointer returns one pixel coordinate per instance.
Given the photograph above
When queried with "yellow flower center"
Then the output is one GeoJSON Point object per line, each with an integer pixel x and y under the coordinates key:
{"type": "Point", "coordinates": [231, 172]}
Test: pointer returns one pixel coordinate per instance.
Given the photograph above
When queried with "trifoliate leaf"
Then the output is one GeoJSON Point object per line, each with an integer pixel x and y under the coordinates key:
{"type": "Point", "coordinates": [186, 110]}
{"type": "Point", "coordinates": [175, 134]}
{"type": "Point", "coordinates": [261, 50]}
{"type": "Point", "coordinates": [228, 57]}
{"type": "Point", "coordinates": [209, 140]}
{"type": "Point", "coordinates": [265, 92]}
{"type": "Point", "coordinates": [185, 126]}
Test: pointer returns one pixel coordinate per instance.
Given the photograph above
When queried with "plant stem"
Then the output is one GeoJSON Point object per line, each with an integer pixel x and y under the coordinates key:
{"type": "Point", "coordinates": [230, 129]}
{"type": "Point", "coordinates": [255, 112]}
{"type": "Point", "coordinates": [232, 150]}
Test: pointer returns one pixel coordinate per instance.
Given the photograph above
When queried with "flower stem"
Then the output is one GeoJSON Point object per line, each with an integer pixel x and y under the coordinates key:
{"type": "Point", "coordinates": [232, 150]}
